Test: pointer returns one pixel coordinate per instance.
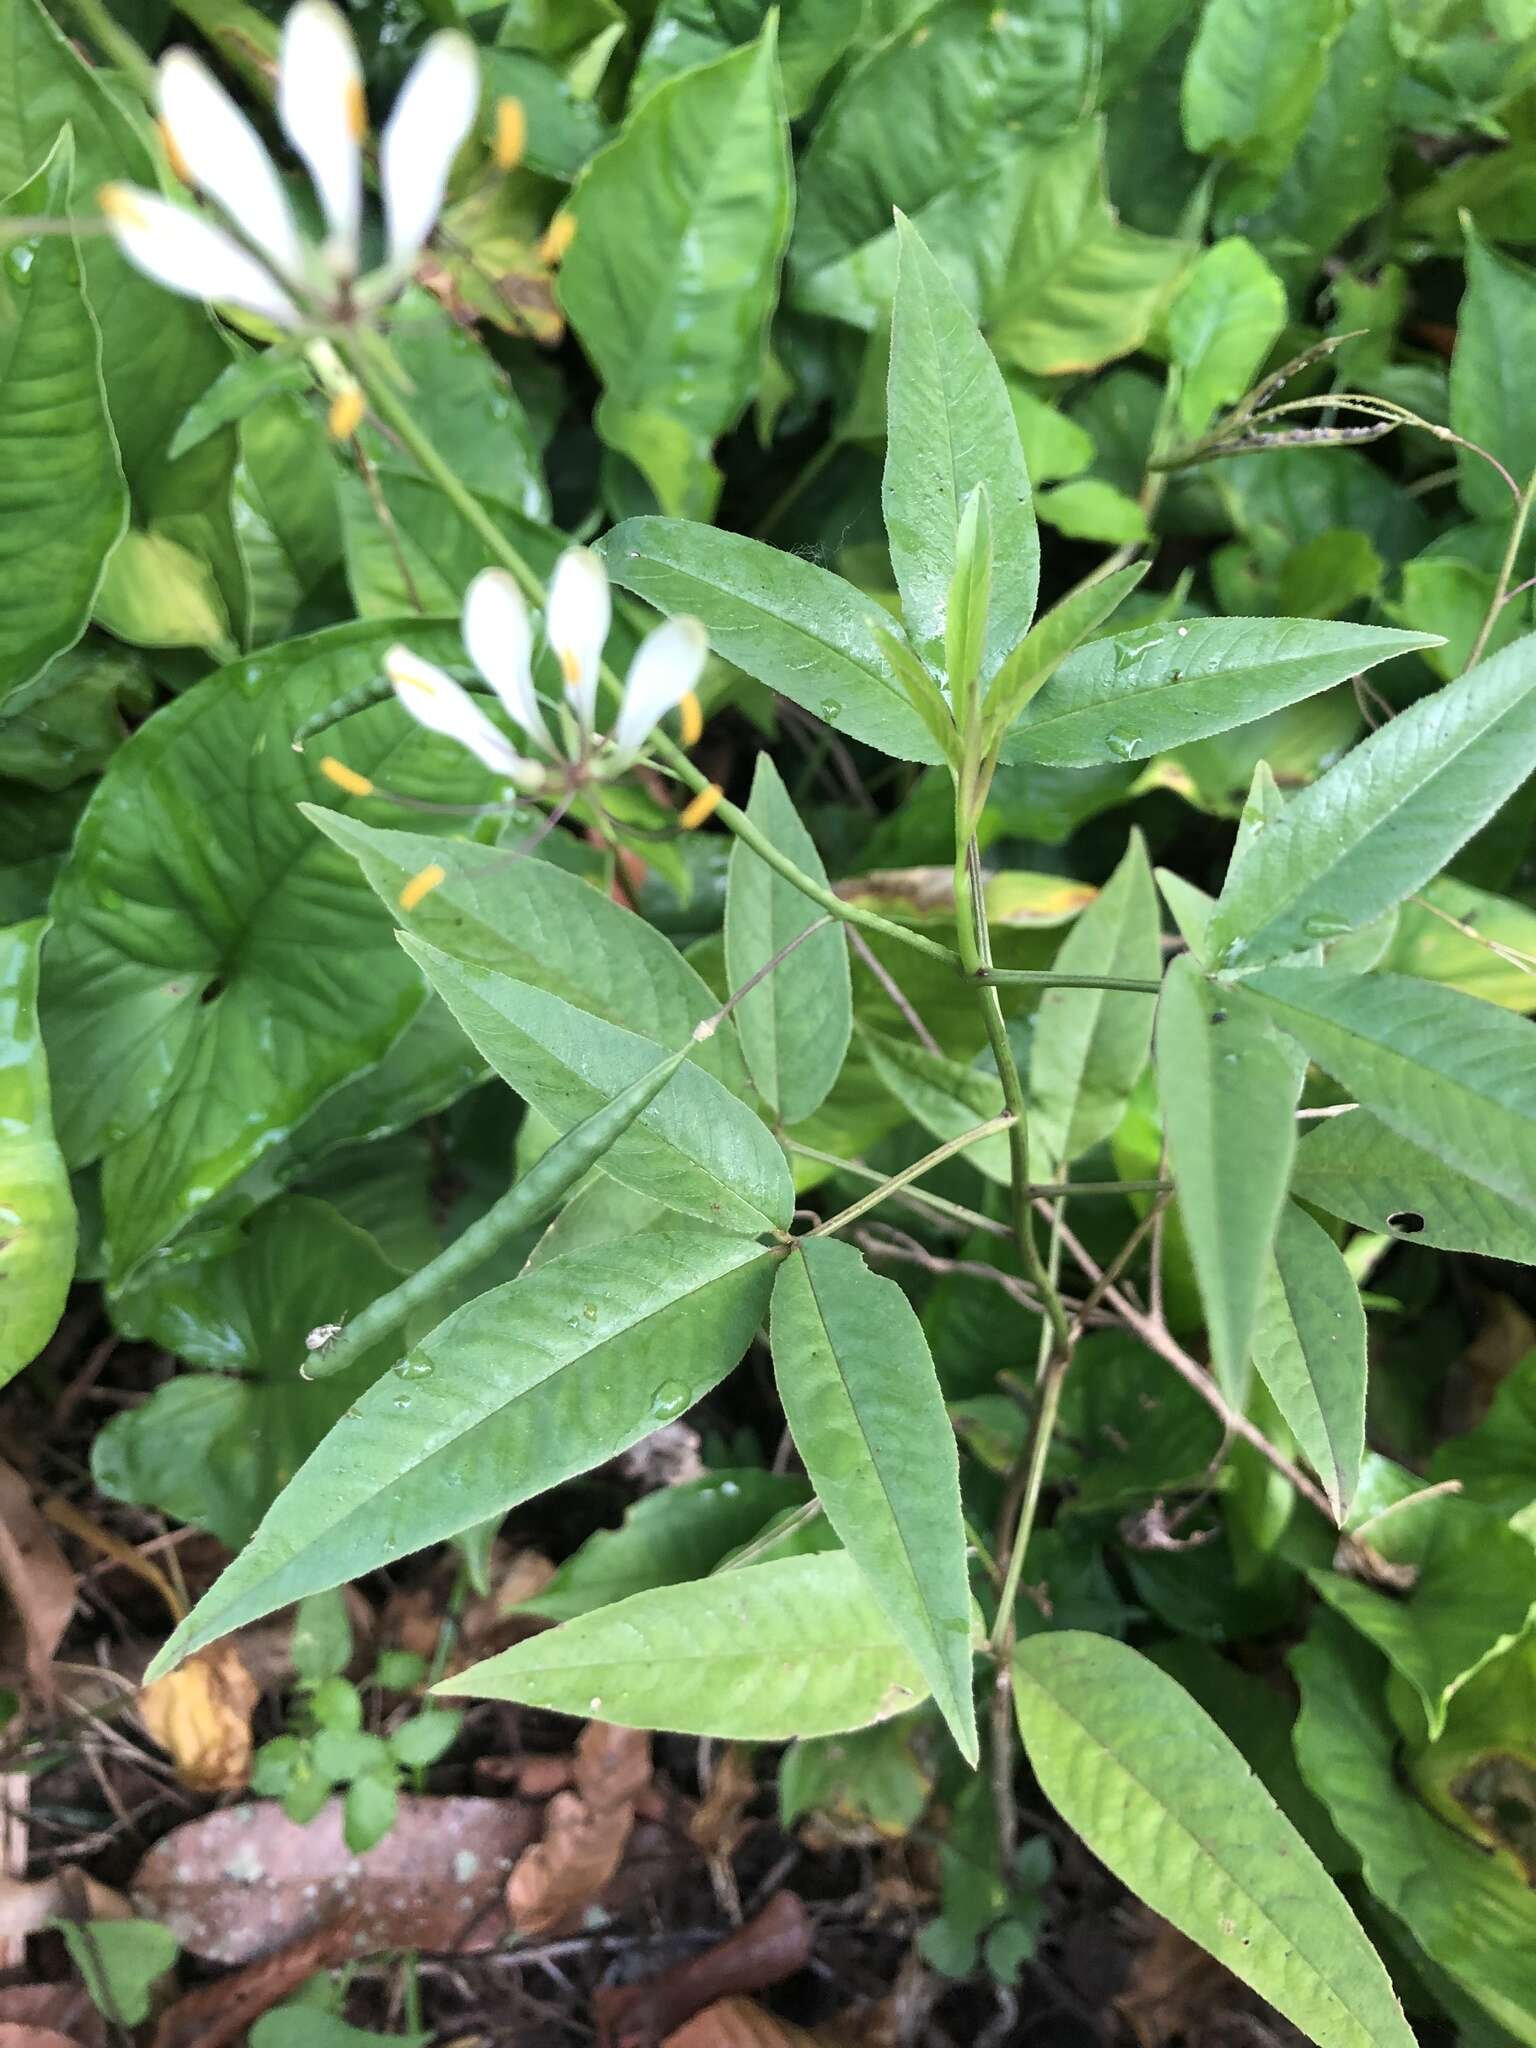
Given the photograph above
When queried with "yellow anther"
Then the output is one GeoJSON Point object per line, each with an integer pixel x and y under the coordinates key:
{"type": "Point", "coordinates": [357, 109]}
{"type": "Point", "coordinates": [570, 668]}
{"type": "Point", "coordinates": [344, 777]}
{"type": "Point", "coordinates": [511, 134]}
{"type": "Point", "coordinates": [118, 203]}
{"type": "Point", "coordinates": [172, 148]}
{"type": "Point", "coordinates": [422, 884]}
{"type": "Point", "coordinates": [703, 806]}
{"type": "Point", "coordinates": [691, 716]}
{"type": "Point", "coordinates": [346, 413]}
{"type": "Point", "coordinates": [558, 237]}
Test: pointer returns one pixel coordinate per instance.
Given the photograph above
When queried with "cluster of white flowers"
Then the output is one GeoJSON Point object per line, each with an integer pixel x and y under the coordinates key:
{"type": "Point", "coordinates": [498, 632]}
{"type": "Point", "coordinates": [255, 255]}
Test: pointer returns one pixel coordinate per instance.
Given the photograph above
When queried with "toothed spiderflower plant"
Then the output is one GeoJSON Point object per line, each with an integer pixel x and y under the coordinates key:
{"type": "Point", "coordinates": [248, 250]}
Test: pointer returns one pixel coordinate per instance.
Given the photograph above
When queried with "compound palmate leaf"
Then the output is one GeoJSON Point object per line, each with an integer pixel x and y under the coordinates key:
{"type": "Point", "coordinates": [799, 1646]}
{"type": "Point", "coordinates": [524, 1386]}
{"type": "Point", "coordinates": [862, 1398]}
{"type": "Point", "coordinates": [1161, 1795]}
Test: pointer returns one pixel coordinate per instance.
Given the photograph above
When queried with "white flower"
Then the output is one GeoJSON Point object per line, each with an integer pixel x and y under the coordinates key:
{"type": "Point", "coordinates": [498, 633]}
{"type": "Point", "coordinates": [266, 265]}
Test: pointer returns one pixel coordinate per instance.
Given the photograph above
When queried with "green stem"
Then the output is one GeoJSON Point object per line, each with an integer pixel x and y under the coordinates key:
{"type": "Point", "coordinates": [908, 1174]}
{"type": "Point", "coordinates": [1047, 977]}
{"type": "Point", "coordinates": [1052, 1373]}
{"type": "Point", "coordinates": [1506, 571]}
{"type": "Point", "coordinates": [115, 42]}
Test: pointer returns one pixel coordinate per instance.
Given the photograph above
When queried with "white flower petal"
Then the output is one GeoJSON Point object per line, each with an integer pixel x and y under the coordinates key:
{"type": "Point", "coordinates": [433, 114]}
{"type": "Point", "coordinates": [499, 636]}
{"type": "Point", "coordinates": [667, 665]}
{"type": "Point", "coordinates": [436, 701]}
{"type": "Point", "coordinates": [577, 618]}
{"type": "Point", "coordinates": [180, 249]}
{"type": "Point", "coordinates": [223, 156]}
{"type": "Point", "coordinates": [321, 105]}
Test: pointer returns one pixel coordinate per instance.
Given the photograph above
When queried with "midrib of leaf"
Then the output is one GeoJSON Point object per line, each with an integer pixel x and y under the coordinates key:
{"type": "Point", "coordinates": [1213, 1854]}
{"type": "Point", "coordinates": [1133, 698]}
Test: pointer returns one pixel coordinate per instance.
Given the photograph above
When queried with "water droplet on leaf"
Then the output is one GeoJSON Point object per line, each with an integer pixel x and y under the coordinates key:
{"type": "Point", "coordinates": [669, 1400]}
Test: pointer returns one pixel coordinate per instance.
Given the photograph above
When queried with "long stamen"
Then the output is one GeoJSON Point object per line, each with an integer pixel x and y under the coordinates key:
{"type": "Point", "coordinates": [421, 885]}
{"type": "Point", "coordinates": [704, 805]}
{"type": "Point", "coordinates": [691, 718]}
{"type": "Point", "coordinates": [346, 778]}
{"type": "Point", "coordinates": [511, 134]}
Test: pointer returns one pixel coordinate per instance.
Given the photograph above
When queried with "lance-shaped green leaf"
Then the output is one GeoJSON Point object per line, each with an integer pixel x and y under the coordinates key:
{"type": "Point", "coordinates": [1050, 640]}
{"type": "Point", "coordinates": [796, 1647]}
{"type": "Point", "coordinates": [1495, 327]}
{"type": "Point", "coordinates": [1468, 1910]}
{"type": "Point", "coordinates": [943, 1095]}
{"type": "Point", "coordinates": [1309, 1350]}
{"type": "Point", "coordinates": [697, 1148]}
{"type": "Point", "coordinates": [216, 967]}
{"type": "Point", "coordinates": [63, 502]}
{"type": "Point", "coordinates": [674, 272]}
{"type": "Point", "coordinates": [863, 1401]}
{"type": "Point", "coordinates": [1228, 1089]}
{"type": "Point", "coordinates": [950, 428]}
{"type": "Point", "coordinates": [1471, 1591]}
{"type": "Point", "coordinates": [1453, 1075]}
{"type": "Point", "coordinates": [668, 1537]}
{"type": "Point", "coordinates": [1386, 818]}
{"type": "Point", "coordinates": [1161, 1795]}
{"type": "Point", "coordinates": [796, 627]}
{"type": "Point", "coordinates": [1357, 1167]}
{"type": "Point", "coordinates": [795, 1025]}
{"type": "Point", "coordinates": [542, 925]}
{"type": "Point", "coordinates": [37, 1210]}
{"type": "Point", "coordinates": [1139, 693]}
{"type": "Point", "coordinates": [1090, 1044]}
{"type": "Point", "coordinates": [523, 1387]}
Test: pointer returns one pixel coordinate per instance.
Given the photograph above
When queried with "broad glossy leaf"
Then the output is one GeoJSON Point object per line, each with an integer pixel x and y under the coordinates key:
{"type": "Point", "coordinates": [668, 1537]}
{"type": "Point", "coordinates": [796, 627]}
{"type": "Point", "coordinates": [523, 1387]}
{"type": "Point", "coordinates": [813, 36]}
{"type": "Point", "coordinates": [1467, 1910]}
{"type": "Point", "coordinates": [216, 1447]}
{"type": "Point", "coordinates": [63, 503]}
{"type": "Point", "coordinates": [932, 108]}
{"type": "Point", "coordinates": [1252, 76]}
{"type": "Point", "coordinates": [795, 1025]}
{"type": "Point", "coordinates": [1226, 318]}
{"type": "Point", "coordinates": [1470, 939]}
{"type": "Point", "coordinates": [1090, 1045]}
{"type": "Point", "coordinates": [673, 275]}
{"type": "Point", "coordinates": [1451, 1074]}
{"type": "Point", "coordinates": [863, 1402]}
{"type": "Point", "coordinates": [796, 1647]}
{"type": "Point", "coordinates": [1496, 1462]}
{"type": "Point", "coordinates": [1090, 509]}
{"type": "Point", "coordinates": [1495, 328]}
{"type": "Point", "coordinates": [543, 925]}
{"type": "Point", "coordinates": [1141, 692]}
{"type": "Point", "coordinates": [1309, 1350]}
{"type": "Point", "coordinates": [37, 1210]}
{"type": "Point", "coordinates": [945, 1096]}
{"type": "Point", "coordinates": [159, 352]}
{"type": "Point", "coordinates": [1378, 824]}
{"type": "Point", "coordinates": [1472, 1591]}
{"type": "Point", "coordinates": [1357, 1167]}
{"type": "Point", "coordinates": [697, 1148]}
{"type": "Point", "coordinates": [1228, 1092]}
{"type": "Point", "coordinates": [216, 967]}
{"type": "Point", "coordinates": [950, 427]}
{"type": "Point", "coordinates": [1161, 1795]}
{"type": "Point", "coordinates": [425, 564]}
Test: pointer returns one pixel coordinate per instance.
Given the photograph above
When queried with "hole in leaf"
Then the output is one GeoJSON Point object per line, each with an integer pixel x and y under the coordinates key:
{"type": "Point", "coordinates": [1219, 1016]}
{"type": "Point", "coordinates": [213, 991]}
{"type": "Point", "coordinates": [1408, 1221]}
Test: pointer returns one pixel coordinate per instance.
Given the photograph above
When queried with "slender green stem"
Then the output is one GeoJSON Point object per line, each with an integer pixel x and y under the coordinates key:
{"type": "Point", "coordinates": [915, 1171]}
{"type": "Point", "coordinates": [1506, 570]}
{"type": "Point", "coordinates": [114, 41]}
{"type": "Point", "coordinates": [1052, 1372]}
{"type": "Point", "coordinates": [1046, 977]}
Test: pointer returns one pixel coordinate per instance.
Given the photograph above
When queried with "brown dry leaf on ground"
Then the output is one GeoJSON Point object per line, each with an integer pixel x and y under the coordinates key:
{"type": "Point", "coordinates": [218, 2014]}
{"type": "Point", "coordinates": [38, 1584]}
{"type": "Point", "coordinates": [738, 2023]}
{"type": "Point", "coordinates": [67, 1895]}
{"type": "Point", "coordinates": [17, 2034]}
{"type": "Point", "coordinates": [772, 1946]}
{"type": "Point", "coordinates": [201, 1712]}
{"type": "Point", "coordinates": [719, 1827]}
{"type": "Point", "coordinates": [1176, 1992]}
{"type": "Point", "coordinates": [240, 1883]}
{"type": "Point", "coordinates": [63, 2008]}
{"type": "Point", "coordinates": [586, 1831]}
